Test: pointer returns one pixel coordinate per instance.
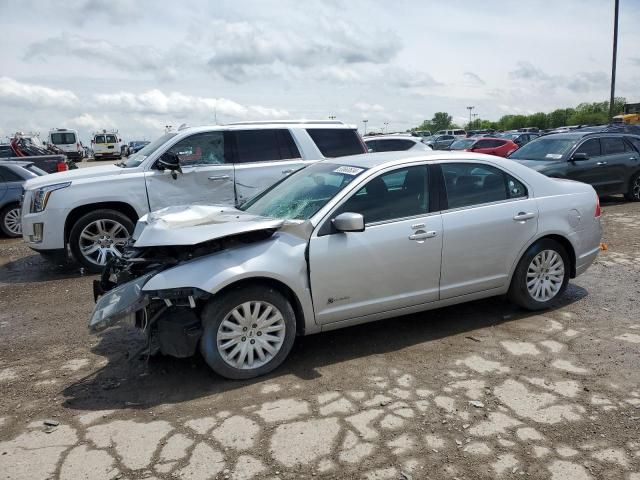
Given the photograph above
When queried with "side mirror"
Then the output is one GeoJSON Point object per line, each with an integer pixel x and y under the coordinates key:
{"type": "Point", "coordinates": [349, 222]}
{"type": "Point", "coordinates": [170, 161]}
{"type": "Point", "coordinates": [579, 157]}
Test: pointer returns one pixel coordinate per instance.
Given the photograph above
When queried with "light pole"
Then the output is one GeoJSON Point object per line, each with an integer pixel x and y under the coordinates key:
{"type": "Point", "coordinates": [386, 124]}
{"type": "Point", "coordinates": [613, 62]}
{"type": "Point", "coordinates": [365, 126]}
{"type": "Point", "coordinates": [470, 108]}
{"type": "Point", "coordinates": [475, 116]}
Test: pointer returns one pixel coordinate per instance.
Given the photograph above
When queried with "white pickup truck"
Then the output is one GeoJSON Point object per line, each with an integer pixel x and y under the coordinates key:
{"type": "Point", "coordinates": [91, 212]}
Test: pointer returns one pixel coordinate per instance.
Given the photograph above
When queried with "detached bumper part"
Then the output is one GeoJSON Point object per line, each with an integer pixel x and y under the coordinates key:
{"type": "Point", "coordinates": [119, 303]}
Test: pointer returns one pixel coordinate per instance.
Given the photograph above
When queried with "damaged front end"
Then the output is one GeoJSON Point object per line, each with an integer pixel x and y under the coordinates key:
{"type": "Point", "coordinates": [171, 318]}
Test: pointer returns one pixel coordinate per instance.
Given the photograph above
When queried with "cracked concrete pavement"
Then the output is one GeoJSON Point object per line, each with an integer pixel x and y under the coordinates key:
{"type": "Point", "coordinates": [481, 390]}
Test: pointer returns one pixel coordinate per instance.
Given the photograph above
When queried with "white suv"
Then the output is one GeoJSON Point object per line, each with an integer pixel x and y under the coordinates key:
{"type": "Point", "coordinates": [92, 211]}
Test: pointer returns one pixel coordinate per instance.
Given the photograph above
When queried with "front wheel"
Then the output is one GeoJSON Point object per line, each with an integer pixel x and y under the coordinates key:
{"type": "Point", "coordinates": [633, 195]}
{"type": "Point", "coordinates": [542, 275]}
{"type": "Point", "coordinates": [98, 236]}
{"type": "Point", "coordinates": [10, 220]}
{"type": "Point", "coordinates": [248, 332]}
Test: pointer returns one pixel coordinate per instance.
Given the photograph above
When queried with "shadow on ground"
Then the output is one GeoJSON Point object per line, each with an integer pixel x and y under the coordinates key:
{"type": "Point", "coordinates": [130, 383]}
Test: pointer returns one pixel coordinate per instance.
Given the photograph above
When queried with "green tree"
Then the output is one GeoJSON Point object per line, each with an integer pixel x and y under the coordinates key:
{"type": "Point", "coordinates": [441, 121]}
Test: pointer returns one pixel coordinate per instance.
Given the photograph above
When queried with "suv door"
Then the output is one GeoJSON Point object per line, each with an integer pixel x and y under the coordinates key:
{"type": "Point", "coordinates": [487, 220]}
{"type": "Point", "coordinates": [590, 170]}
{"type": "Point", "coordinates": [393, 263]}
{"type": "Point", "coordinates": [207, 175]}
{"type": "Point", "coordinates": [262, 157]}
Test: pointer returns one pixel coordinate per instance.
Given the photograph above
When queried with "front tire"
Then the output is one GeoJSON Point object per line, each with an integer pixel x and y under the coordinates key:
{"type": "Point", "coordinates": [542, 275]}
{"type": "Point", "coordinates": [11, 221]}
{"type": "Point", "coordinates": [248, 332]}
{"type": "Point", "coordinates": [99, 235]}
{"type": "Point", "coordinates": [633, 195]}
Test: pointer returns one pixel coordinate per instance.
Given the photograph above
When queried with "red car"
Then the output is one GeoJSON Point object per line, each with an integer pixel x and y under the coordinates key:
{"type": "Point", "coordinates": [501, 147]}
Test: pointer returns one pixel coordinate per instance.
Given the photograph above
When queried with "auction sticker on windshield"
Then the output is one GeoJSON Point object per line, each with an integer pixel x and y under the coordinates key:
{"type": "Point", "coordinates": [554, 156]}
{"type": "Point", "coordinates": [348, 170]}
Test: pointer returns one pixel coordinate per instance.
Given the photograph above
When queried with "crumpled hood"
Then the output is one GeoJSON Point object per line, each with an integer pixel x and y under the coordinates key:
{"type": "Point", "coordinates": [71, 175]}
{"type": "Point", "coordinates": [194, 224]}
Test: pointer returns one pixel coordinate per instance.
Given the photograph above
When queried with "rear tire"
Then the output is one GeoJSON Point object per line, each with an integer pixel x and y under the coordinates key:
{"type": "Point", "coordinates": [10, 220]}
{"type": "Point", "coordinates": [633, 195]}
{"type": "Point", "coordinates": [264, 335]}
{"type": "Point", "coordinates": [542, 275]}
{"type": "Point", "coordinates": [97, 236]}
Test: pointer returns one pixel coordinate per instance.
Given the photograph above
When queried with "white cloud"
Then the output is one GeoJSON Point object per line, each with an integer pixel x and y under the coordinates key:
{"type": "Point", "coordinates": [92, 122]}
{"type": "Point", "coordinates": [17, 93]}
{"type": "Point", "coordinates": [367, 107]}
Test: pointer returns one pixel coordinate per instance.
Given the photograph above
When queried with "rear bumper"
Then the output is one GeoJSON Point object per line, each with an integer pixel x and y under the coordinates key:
{"type": "Point", "coordinates": [107, 155]}
{"type": "Point", "coordinates": [585, 261]}
{"type": "Point", "coordinates": [73, 155]}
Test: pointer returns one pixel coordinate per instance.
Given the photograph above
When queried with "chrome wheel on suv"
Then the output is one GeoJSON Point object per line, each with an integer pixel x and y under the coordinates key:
{"type": "Point", "coordinates": [103, 239]}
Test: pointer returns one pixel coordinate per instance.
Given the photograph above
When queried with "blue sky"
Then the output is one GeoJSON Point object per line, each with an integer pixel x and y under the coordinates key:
{"type": "Point", "coordinates": [137, 66]}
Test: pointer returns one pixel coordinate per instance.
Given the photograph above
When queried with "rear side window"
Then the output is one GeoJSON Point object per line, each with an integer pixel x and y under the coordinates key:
{"type": "Point", "coordinates": [459, 132]}
{"type": "Point", "coordinates": [634, 141]}
{"type": "Point", "coordinates": [612, 145]}
{"type": "Point", "coordinates": [470, 184]}
{"type": "Point", "coordinates": [264, 145]}
{"type": "Point", "coordinates": [336, 142]}
{"type": "Point", "coordinates": [590, 147]}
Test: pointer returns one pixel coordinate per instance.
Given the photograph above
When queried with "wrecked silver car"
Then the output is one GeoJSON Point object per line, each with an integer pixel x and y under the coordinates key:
{"type": "Point", "coordinates": [346, 242]}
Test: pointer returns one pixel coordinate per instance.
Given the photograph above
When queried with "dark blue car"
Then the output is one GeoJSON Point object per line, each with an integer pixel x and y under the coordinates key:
{"type": "Point", "coordinates": [12, 178]}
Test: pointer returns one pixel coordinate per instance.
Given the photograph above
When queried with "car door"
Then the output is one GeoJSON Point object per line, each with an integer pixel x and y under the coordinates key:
{"type": "Point", "coordinates": [589, 170]}
{"type": "Point", "coordinates": [207, 175]}
{"type": "Point", "coordinates": [393, 263]}
{"type": "Point", "coordinates": [262, 157]}
{"type": "Point", "coordinates": [488, 218]}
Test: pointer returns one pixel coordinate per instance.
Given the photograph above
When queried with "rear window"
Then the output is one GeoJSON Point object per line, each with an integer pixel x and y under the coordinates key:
{"type": "Point", "coordinates": [99, 139]}
{"type": "Point", "coordinates": [336, 142]}
{"type": "Point", "coordinates": [63, 138]}
{"type": "Point", "coordinates": [391, 145]}
{"type": "Point", "coordinates": [111, 139]}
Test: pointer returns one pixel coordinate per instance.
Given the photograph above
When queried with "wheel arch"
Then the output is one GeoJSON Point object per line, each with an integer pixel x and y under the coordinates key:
{"type": "Point", "coordinates": [78, 212]}
{"type": "Point", "coordinates": [281, 287]}
{"type": "Point", "coordinates": [562, 240]}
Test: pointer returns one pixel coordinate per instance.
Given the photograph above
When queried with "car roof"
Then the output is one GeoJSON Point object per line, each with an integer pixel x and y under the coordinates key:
{"type": "Point", "coordinates": [260, 125]}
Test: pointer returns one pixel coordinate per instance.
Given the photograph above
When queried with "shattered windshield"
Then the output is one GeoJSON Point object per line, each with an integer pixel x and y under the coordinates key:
{"type": "Point", "coordinates": [304, 192]}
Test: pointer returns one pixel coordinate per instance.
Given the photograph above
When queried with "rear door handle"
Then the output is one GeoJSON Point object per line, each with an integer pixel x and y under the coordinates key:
{"type": "Point", "coordinates": [423, 235]}
{"type": "Point", "coordinates": [601, 163]}
{"type": "Point", "coordinates": [524, 216]}
{"type": "Point", "coordinates": [215, 178]}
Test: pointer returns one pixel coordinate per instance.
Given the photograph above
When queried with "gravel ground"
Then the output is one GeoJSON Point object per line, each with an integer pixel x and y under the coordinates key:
{"type": "Point", "coordinates": [481, 390]}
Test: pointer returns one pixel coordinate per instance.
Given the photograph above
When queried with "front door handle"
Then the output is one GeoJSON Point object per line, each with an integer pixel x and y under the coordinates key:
{"type": "Point", "coordinates": [215, 178]}
{"type": "Point", "coordinates": [601, 163]}
{"type": "Point", "coordinates": [524, 216]}
{"type": "Point", "coordinates": [287, 171]}
{"type": "Point", "coordinates": [422, 235]}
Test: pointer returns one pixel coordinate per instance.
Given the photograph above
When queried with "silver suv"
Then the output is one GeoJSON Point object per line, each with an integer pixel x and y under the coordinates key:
{"type": "Point", "coordinates": [93, 210]}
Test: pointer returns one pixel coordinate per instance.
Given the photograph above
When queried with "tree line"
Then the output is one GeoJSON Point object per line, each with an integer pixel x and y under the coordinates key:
{"type": "Point", "coordinates": [594, 113]}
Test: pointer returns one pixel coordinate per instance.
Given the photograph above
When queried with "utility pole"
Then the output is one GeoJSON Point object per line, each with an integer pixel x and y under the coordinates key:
{"type": "Point", "coordinates": [470, 108]}
{"type": "Point", "coordinates": [613, 62]}
{"type": "Point", "coordinates": [365, 126]}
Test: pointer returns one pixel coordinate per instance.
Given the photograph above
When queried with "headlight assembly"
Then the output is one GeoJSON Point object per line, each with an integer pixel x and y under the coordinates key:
{"type": "Point", "coordinates": [41, 196]}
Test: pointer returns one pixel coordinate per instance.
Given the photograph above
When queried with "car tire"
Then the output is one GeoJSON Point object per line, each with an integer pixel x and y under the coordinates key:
{"type": "Point", "coordinates": [545, 265]}
{"type": "Point", "coordinates": [218, 316]}
{"type": "Point", "coordinates": [633, 195]}
{"type": "Point", "coordinates": [101, 224]}
{"type": "Point", "coordinates": [10, 220]}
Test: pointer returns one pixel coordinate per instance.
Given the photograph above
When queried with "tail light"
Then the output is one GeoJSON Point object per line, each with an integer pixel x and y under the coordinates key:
{"type": "Point", "coordinates": [598, 209]}
{"type": "Point", "coordinates": [62, 167]}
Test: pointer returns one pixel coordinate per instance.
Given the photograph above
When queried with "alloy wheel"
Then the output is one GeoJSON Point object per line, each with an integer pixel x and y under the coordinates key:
{"type": "Point", "coordinates": [251, 335]}
{"type": "Point", "coordinates": [12, 221]}
{"type": "Point", "coordinates": [545, 275]}
{"type": "Point", "coordinates": [103, 239]}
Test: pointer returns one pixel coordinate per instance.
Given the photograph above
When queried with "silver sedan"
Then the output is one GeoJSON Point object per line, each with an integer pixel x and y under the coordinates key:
{"type": "Point", "coordinates": [344, 242]}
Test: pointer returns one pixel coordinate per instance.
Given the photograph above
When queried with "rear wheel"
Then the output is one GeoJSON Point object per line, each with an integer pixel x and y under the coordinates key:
{"type": "Point", "coordinates": [98, 236]}
{"type": "Point", "coordinates": [10, 220]}
{"type": "Point", "coordinates": [248, 332]}
{"type": "Point", "coordinates": [541, 276]}
{"type": "Point", "coordinates": [633, 195]}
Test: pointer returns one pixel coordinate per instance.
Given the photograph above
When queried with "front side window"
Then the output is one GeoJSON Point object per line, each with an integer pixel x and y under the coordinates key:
{"type": "Point", "coordinates": [612, 145]}
{"type": "Point", "coordinates": [590, 147]}
{"type": "Point", "coordinates": [202, 148]}
{"type": "Point", "coordinates": [336, 142]}
{"type": "Point", "coordinates": [470, 184]}
{"type": "Point", "coordinates": [397, 194]}
{"type": "Point", "coordinates": [264, 145]}
{"type": "Point", "coordinates": [137, 158]}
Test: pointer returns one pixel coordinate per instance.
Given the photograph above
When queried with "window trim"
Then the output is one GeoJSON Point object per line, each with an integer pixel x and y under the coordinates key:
{"type": "Point", "coordinates": [443, 187]}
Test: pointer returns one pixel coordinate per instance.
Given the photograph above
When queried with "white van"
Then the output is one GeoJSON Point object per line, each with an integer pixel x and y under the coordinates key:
{"type": "Point", "coordinates": [106, 145]}
{"type": "Point", "coordinates": [67, 141]}
{"type": "Point", "coordinates": [455, 133]}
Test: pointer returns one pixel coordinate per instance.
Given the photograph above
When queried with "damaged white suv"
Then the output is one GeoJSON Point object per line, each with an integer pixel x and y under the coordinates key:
{"type": "Point", "coordinates": [343, 242]}
{"type": "Point", "coordinates": [92, 211]}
